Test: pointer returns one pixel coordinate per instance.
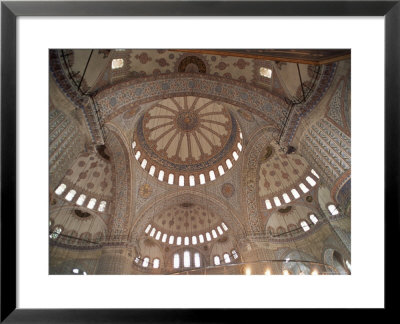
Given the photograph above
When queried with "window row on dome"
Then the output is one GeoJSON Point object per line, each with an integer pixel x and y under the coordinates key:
{"type": "Point", "coordinates": [187, 260]}
{"type": "Point", "coordinates": [191, 180]}
{"type": "Point", "coordinates": [194, 239]}
{"type": "Point", "coordinates": [91, 203]}
{"type": "Point", "coordinates": [226, 258]}
{"type": "Point", "coordinates": [145, 262]}
{"type": "Point", "coordinates": [276, 200]}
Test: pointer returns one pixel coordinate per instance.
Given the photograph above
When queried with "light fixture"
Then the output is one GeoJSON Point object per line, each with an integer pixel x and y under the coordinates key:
{"type": "Point", "coordinates": [248, 271]}
{"type": "Point", "coordinates": [286, 272]}
{"type": "Point", "coordinates": [315, 272]}
{"type": "Point", "coordinates": [268, 272]}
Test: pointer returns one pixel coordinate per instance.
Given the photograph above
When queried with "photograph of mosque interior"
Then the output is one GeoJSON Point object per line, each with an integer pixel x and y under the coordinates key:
{"type": "Point", "coordinates": [199, 161]}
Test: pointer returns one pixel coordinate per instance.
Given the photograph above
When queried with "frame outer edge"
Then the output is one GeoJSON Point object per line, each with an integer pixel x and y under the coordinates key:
{"type": "Point", "coordinates": [202, 8]}
{"type": "Point", "coordinates": [8, 151]}
{"type": "Point", "coordinates": [8, 161]}
{"type": "Point", "coordinates": [392, 147]}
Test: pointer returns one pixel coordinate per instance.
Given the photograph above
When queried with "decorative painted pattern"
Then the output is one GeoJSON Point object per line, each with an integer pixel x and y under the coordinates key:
{"type": "Point", "coordinates": [258, 101]}
{"type": "Point", "coordinates": [65, 143]}
{"type": "Point", "coordinates": [328, 149]}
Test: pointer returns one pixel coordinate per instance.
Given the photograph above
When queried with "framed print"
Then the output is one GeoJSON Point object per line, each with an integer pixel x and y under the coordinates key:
{"type": "Point", "coordinates": [163, 159]}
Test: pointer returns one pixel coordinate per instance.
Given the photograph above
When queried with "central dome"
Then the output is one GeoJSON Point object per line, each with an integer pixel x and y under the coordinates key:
{"type": "Point", "coordinates": [182, 135]}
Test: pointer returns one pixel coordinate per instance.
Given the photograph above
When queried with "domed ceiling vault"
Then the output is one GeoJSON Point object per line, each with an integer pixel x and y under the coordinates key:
{"type": "Point", "coordinates": [187, 137]}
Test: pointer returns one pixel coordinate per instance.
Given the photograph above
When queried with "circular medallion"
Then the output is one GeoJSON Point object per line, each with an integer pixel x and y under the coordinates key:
{"type": "Point", "coordinates": [145, 191]}
{"type": "Point", "coordinates": [227, 190]}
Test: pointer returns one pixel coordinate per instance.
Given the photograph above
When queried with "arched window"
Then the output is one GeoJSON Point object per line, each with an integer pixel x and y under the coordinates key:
{"type": "Point", "coordinates": [235, 255]}
{"type": "Point", "coordinates": [186, 240]}
{"type": "Point", "coordinates": [152, 170]}
{"type": "Point", "coordinates": [181, 180]}
{"type": "Point", "coordinates": [137, 155]}
{"type": "Point", "coordinates": [314, 219]}
{"type": "Point", "coordinates": [156, 263]}
{"type": "Point", "coordinates": [229, 163]}
{"type": "Point", "coordinates": [56, 232]}
{"type": "Point", "coordinates": [214, 233]}
{"type": "Point", "coordinates": [60, 189]}
{"type": "Point", "coordinates": [171, 239]}
{"type": "Point", "coordinates": [91, 203]}
{"type": "Point", "coordinates": [71, 194]}
{"type": "Point", "coordinates": [201, 238]}
{"type": "Point", "coordinates": [216, 260]}
{"type": "Point", "coordinates": [197, 260]}
{"type": "Point", "coordinates": [161, 175]}
{"type": "Point", "coordinates": [164, 238]}
{"type": "Point", "coordinates": [311, 181]}
{"type": "Point", "coordinates": [194, 240]}
{"type": "Point", "coordinates": [303, 187]}
{"type": "Point", "coordinates": [117, 63]}
{"type": "Point", "coordinates": [171, 178]}
{"type": "Point", "coordinates": [224, 226]}
{"type": "Point", "coordinates": [286, 198]}
{"type": "Point", "coordinates": [147, 228]}
{"type": "Point", "coordinates": [133, 144]}
{"type": "Point", "coordinates": [81, 199]}
{"type": "Point", "coordinates": [221, 170]}
{"type": "Point", "coordinates": [202, 179]}
{"type": "Point", "coordinates": [348, 265]}
{"type": "Point", "coordinates": [158, 235]}
{"type": "Point", "coordinates": [295, 193]}
{"type": "Point", "coordinates": [178, 240]}
{"type": "Point", "coordinates": [227, 259]}
{"type": "Point", "coordinates": [220, 230]}
{"type": "Point", "coordinates": [102, 206]}
{"type": "Point", "coordinates": [212, 175]}
{"type": "Point", "coordinates": [152, 232]}
{"type": "Point", "coordinates": [176, 261]}
{"type": "Point", "coordinates": [241, 135]}
{"type": "Point", "coordinates": [208, 236]}
{"type": "Point", "coordinates": [235, 155]}
{"type": "Point", "coordinates": [277, 201]}
{"type": "Point", "coordinates": [314, 173]}
{"type": "Point", "coordinates": [265, 72]}
{"type": "Point", "coordinates": [268, 204]}
{"type": "Point", "coordinates": [145, 262]}
{"type": "Point", "coordinates": [191, 181]}
{"type": "Point", "coordinates": [332, 209]}
{"type": "Point", "coordinates": [305, 226]}
{"type": "Point", "coordinates": [144, 163]}
{"type": "Point", "coordinates": [239, 146]}
{"type": "Point", "coordinates": [186, 259]}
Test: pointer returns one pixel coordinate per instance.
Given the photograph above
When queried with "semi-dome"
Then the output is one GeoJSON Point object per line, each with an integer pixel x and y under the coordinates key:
{"type": "Point", "coordinates": [195, 223]}
{"type": "Point", "coordinates": [187, 140]}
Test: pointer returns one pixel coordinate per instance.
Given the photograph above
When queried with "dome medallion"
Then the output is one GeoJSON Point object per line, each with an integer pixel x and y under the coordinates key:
{"type": "Point", "coordinates": [187, 136]}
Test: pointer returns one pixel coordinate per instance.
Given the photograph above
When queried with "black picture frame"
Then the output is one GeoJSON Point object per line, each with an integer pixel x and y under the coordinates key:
{"type": "Point", "coordinates": [9, 13]}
